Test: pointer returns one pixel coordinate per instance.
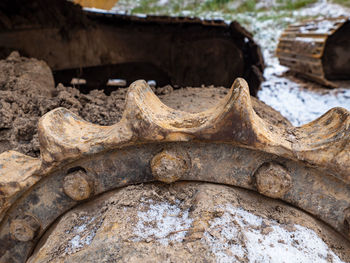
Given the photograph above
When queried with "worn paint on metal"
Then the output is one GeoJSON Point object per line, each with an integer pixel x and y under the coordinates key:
{"type": "Point", "coordinates": [229, 144]}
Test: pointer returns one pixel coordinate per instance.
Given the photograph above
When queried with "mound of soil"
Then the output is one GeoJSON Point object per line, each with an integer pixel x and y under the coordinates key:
{"type": "Point", "coordinates": [27, 92]}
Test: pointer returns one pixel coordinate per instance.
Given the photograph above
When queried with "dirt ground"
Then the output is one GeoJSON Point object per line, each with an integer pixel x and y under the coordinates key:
{"type": "Point", "coordinates": [27, 92]}
{"type": "Point", "coordinates": [188, 222]}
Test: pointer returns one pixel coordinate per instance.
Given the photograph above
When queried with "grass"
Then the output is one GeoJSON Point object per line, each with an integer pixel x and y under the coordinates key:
{"type": "Point", "coordinates": [216, 4]}
{"type": "Point", "coordinates": [224, 6]}
{"type": "Point", "coordinates": [247, 6]}
{"type": "Point", "coordinates": [342, 2]}
{"type": "Point", "coordinates": [247, 12]}
{"type": "Point", "coordinates": [228, 6]}
{"type": "Point", "coordinates": [293, 4]}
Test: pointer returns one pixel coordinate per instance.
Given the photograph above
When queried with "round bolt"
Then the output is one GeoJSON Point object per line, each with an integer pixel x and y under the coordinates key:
{"type": "Point", "coordinates": [77, 186]}
{"type": "Point", "coordinates": [168, 167]}
{"type": "Point", "coordinates": [25, 228]}
{"type": "Point", "coordinates": [273, 180]}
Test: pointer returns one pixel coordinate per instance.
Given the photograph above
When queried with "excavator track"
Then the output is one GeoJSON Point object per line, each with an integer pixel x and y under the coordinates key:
{"type": "Point", "coordinates": [96, 47]}
{"type": "Point", "coordinates": [307, 167]}
{"type": "Point", "coordinates": [317, 49]}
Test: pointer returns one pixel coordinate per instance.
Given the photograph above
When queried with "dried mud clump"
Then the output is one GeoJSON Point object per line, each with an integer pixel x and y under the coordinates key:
{"type": "Point", "coordinates": [27, 92]}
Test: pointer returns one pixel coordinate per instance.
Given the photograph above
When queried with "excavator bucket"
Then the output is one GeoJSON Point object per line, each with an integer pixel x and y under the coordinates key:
{"type": "Point", "coordinates": [97, 46]}
{"type": "Point", "coordinates": [319, 49]}
{"type": "Point", "coordinates": [100, 4]}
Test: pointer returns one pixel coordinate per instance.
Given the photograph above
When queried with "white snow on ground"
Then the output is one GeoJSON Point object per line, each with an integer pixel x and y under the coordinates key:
{"type": "Point", "coordinates": [297, 103]}
{"type": "Point", "coordinates": [122, 7]}
{"type": "Point", "coordinates": [301, 105]}
{"type": "Point", "coordinates": [162, 222]}
{"type": "Point", "coordinates": [163, 2]}
{"type": "Point", "coordinates": [96, 10]}
{"type": "Point", "coordinates": [82, 235]}
{"type": "Point", "coordinates": [323, 8]}
{"type": "Point", "coordinates": [237, 234]}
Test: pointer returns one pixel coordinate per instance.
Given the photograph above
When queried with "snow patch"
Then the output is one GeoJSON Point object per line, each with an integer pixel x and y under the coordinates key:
{"type": "Point", "coordinates": [163, 222]}
{"type": "Point", "coordinates": [238, 234]}
{"type": "Point", "coordinates": [323, 8]}
{"type": "Point", "coordinates": [320, 26]}
{"type": "Point", "coordinates": [82, 234]}
{"type": "Point", "coordinates": [296, 102]}
{"type": "Point", "coordinates": [300, 105]}
{"type": "Point", "coordinates": [97, 10]}
{"type": "Point", "coordinates": [163, 2]}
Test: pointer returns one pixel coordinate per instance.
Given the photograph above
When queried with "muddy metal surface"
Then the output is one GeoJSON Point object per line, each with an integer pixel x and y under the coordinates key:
{"type": "Point", "coordinates": [28, 92]}
{"type": "Point", "coordinates": [307, 167]}
{"type": "Point", "coordinates": [188, 222]}
{"type": "Point", "coordinates": [249, 144]}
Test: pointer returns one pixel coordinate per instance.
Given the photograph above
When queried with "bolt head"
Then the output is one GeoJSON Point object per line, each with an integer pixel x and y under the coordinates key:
{"type": "Point", "coordinates": [77, 186]}
{"type": "Point", "coordinates": [25, 228]}
{"type": "Point", "coordinates": [273, 180]}
{"type": "Point", "coordinates": [168, 166]}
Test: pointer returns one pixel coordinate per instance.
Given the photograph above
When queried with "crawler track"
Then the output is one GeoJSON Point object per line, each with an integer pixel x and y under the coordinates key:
{"type": "Point", "coordinates": [317, 49]}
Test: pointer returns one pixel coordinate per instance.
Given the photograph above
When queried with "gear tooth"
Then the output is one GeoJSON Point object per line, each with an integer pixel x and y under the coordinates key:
{"type": "Point", "coordinates": [64, 135]}
{"type": "Point", "coordinates": [140, 102]}
{"type": "Point", "coordinates": [18, 172]}
{"type": "Point", "coordinates": [238, 99]}
{"type": "Point", "coordinates": [59, 133]}
{"type": "Point", "coordinates": [234, 119]}
{"type": "Point", "coordinates": [152, 120]}
{"type": "Point", "coordinates": [326, 142]}
{"type": "Point", "coordinates": [149, 118]}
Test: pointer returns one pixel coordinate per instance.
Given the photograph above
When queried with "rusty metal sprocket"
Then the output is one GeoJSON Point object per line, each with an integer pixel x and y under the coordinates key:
{"type": "Point", "coordinates": [307, 167]}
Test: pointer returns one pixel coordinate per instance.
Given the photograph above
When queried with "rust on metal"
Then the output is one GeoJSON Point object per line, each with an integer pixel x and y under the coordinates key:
{"type": "Point", "coordinates": [273, 180]}
{"type": "Point", "coordinates": [24, 228]}
{"type": "Point", "coordinates": [317, 49]}
{"type": "Point", "coordinates": [307, 166]}
{"type": "Point", "coordinates": [168, 167]}
{"type": "Point", "coordinates": [77, 186]}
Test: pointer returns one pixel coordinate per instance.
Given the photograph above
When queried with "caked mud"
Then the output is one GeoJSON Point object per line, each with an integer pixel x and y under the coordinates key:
{"type": "Point", "coordinates": [27, 92]}
{"type": "Point", "coordinates": [188, 222]}
{"type": "Point", "coordinates": [75, 202]}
